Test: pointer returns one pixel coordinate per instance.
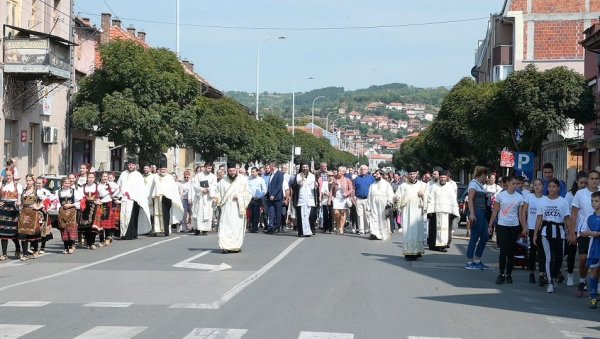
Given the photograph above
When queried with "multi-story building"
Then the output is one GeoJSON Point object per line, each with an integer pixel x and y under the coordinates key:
{"type": "Point", "coordinates": [591, 134]}
{"type": "Point", "coordinates": [545, 33]}
{"type": "Point", "coordinates": [35, 78]}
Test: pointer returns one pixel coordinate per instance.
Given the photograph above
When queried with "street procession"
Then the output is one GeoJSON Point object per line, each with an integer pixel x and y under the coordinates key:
{"type": "Point", "coordinates": [301, 169]}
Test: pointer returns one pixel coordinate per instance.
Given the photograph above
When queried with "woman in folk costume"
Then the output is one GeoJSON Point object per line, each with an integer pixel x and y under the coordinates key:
{"type": "Point", "coordinates": [88, 223]}
{"type": "Point", "coordinates": [116, 205]}
{"type": "Point", "coordinates": [30, 219]}
{"type": "Point", "coordinates": [10, 199]}
{"type": "Point", "coordinates": [105, 211]}
{"type": "Point", "coordinates": [81, 178]}
{"type": "Point", "coordinates": [69, 201]}
{"type": "Point", "coordinates": [45, 198]}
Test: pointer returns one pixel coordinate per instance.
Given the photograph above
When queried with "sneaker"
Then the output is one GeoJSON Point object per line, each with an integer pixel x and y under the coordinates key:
{"type": "Point", "coordinates": [593, 303]}
{"type": "Point", "coordinates": [481, 266]}
{"type": "Point", "coordinates": [500, 280]}
{"type": "Point", "coordinates": [570, 280]}
{"type": "Point", "coordinates": [580, 289]}
{"type": "Point", "coordinates": [509, 279]}
{"type": "Point", "coordinates": [470, 266]}
{"type": "Point", "coordinates": [531, 278]}
{"type": "Point", "coordinates": [550, 288]}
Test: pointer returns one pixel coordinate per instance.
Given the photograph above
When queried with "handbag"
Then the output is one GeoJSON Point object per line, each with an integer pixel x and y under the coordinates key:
{"type": "Point", "coordinates": [348, 203]}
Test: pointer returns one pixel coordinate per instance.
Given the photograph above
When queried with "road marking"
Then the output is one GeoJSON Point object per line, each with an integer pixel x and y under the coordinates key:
{"type": "Point", "coordinates": [324, 335]}
{"type": "Point", "coordinates": [82, 267]}
{"type": "Point", "coordinates": [107, 304]}
{"type": "Point", "coordinates": [113, 332]}
{"type": "Point", "coordinates": [242, 285]}
{"type": "Point", "coordinates": [576, 335]}
{"type": "Point", "coordinates": [16, 331]}
{"type": "Point", "coordinates": [418, 337]}
{"type": "Point", "coordinates": [216, 333]}
{"type": "Point", "coordinates": [25, 304]}
{"type": "Point", "coordinates": [187, 263]}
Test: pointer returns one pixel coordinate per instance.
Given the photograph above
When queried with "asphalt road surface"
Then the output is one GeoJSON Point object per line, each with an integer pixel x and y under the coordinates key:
{"type": "Point", "coordinates": [279, 286]}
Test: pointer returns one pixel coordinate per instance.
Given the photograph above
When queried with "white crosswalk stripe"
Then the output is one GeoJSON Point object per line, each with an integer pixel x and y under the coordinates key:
{"type": "Point", "coordinates": [107, 304]}
{"type": "Point", "coordinates": [113, 332]}
{"type": "Point", "coordinates": [10, 331]}
{"type": "Point", "coordinates": [418, 337]}
{"type": "Point", "coordinates": [325, 335]}
{"type": "Point", "coordinates": [25, 304]}
{"type": "Point", "coordinates": [216, 333]}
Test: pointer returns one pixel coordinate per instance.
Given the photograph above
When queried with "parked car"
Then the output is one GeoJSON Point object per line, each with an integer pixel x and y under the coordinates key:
{"type": "Point", "coordinates": [53, 184]}
{"type": "Point", "coordinates": [461, 196]}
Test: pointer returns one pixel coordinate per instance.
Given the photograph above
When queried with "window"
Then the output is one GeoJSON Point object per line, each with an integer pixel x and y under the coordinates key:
{"type": "Point", "coordinates": [82, 153]}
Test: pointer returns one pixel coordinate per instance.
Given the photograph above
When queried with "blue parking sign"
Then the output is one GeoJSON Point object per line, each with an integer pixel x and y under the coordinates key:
{"type": "Point", "coordinates": [525, 165]}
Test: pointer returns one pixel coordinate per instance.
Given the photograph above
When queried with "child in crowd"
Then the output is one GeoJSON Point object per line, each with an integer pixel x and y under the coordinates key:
{"type": "Point", "coordinates": [592, 229]}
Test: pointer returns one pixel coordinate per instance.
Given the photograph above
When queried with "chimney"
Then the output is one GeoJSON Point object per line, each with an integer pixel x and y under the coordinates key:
{"type": "Point", "coordinates": [142, 35]}
{"type": "Point", "coordinates": [188, 65]}
{"type": "Point", "coordinates": [105, 27]}
{"type": "Point", "coordinates": [131, 30]}
{"type": "Point", "coordinates": [116, 22]}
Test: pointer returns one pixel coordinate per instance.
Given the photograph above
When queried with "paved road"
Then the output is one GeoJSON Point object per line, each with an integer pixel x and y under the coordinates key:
{"type": "Point", "coordinates": [280, 286]}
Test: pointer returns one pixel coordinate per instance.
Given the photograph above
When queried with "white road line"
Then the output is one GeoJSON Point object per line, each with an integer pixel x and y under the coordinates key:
{"type": "Point", "coordinates": [216, 333]}
{"type": "Point", "coordinates": [245, 283]}
{"type": "Point", "coordinates": [25, 304]}
{"type": "Point", "coordinates": [113, 332]}
{"type": "Point", "coordinates": [418, 337]}
{"type": "Point", "coordinates": [16, 331]}
{"type": "Point", "coordinates": [324, 335]}
{"type": "Point", "coordinates": [187, 263]}
{"type": "Point", "coordinates": [107, 304]}
{"type": "Point", "coordinates": [82, 267]}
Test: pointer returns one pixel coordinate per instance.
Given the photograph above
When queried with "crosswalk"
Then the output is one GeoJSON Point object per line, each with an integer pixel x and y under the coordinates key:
{"type": "Point", "coordinates": [14, 331]}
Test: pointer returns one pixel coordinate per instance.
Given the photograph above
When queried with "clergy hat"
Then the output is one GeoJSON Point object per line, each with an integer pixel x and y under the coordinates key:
{"type": "Point", "coordinates": [231, 164]}
{"type": "Point", "coordinates": [412, 169]}
{"type": "Point", "coordinates": [131, 159]}
{"type": "Point", "coordinates": [444, 172]}
{"type": "Point", "coordinates": [438, 169]}
{"type": "Point", "coordinates": [162, 162]}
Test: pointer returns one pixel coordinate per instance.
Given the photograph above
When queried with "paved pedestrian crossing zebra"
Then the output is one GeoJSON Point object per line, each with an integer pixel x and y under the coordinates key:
{"type": "Point", "coordinates": [15, 331]}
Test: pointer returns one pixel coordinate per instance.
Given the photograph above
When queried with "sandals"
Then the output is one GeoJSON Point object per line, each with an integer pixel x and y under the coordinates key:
{"type": "Point", "coordinates": [24, 258]}
{"type": "Point", "coordinates": [42, 251]}
{"type": "Point", "coordinates": [3, 258]}
{"type": "Point", "coordinates": [71, 250]}
{"type": "Point", "coordinates": [92, 247]}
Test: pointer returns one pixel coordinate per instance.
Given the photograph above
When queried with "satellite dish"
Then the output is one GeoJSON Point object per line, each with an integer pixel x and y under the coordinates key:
{"type": "Point", "coordinates": [475, 72]}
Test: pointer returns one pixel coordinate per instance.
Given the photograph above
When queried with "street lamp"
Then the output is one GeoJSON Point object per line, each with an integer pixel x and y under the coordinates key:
{"type": "Point", "coordinates": [340, 138]}
{"type": "Point", "coordinates": [327, 121]}
{"type": "Point", "coordinates": [333, 127]}
{"type": "Point", "coordinates": [312, 127]}
{"type": "Point", "coordinates": [258, 68]}
{"type": "Point", "coordinates": [294, 114]}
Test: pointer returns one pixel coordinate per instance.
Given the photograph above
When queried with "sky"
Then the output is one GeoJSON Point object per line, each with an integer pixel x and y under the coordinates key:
{"type": "Point", "coordinates": [412, 51]}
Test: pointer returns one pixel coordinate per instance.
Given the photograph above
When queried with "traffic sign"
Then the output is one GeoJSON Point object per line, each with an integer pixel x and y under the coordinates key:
{"type": "Point", "coordinates": [525, 164]}
{"type": "Point", "coordinates": [507, 159]}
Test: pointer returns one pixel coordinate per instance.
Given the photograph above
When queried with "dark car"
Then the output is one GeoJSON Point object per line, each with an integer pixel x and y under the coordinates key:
{"type": "Point", "coordinates": [461, 196]}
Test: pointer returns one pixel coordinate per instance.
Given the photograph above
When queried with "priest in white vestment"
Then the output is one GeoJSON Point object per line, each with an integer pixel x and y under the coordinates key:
{"type": "Point", "coordinates": [168, 208]}
{"type": "Point", "coordinates": [135, 214]}
{"type": "Point", "coordinates": [233, 196]}
{"type": "Point", "coordinates": [410, 198]}
{"type": "Point", "coordinates": [442, 210]}
{"type": "Point", "coordinates": [380, 195]}
{"type": "Point", "coordinates": [149, 179]}
{"type": "Point", "coordinates": [204, 190]}
{"type": "Point", "coordinates": [305, 183]}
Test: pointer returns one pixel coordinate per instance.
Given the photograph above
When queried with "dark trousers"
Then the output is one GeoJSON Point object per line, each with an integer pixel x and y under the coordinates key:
{"type": "Point", "coordinates": [166, 214]}
{"type": "Point", "coordinates": [255, 214]}
{"type": "Point", "coordinates": [327, 220]}
{"type": "Point", "coordinates": [264, 217]}
{"type": "Point", "coordinates": [284, 212]}
{"type": "Point", "coordinates": [90, 237]}
{"type": "Point", "coordinates": [432, 231]}
{"type": "Point", "coordinates": [353, 217]}
{"type": "Point", "coordinates": [507, 241]}
{"type": "Point", "coordinates": [553, 247]}
{"type": "Point", "coordinates": [132, 229]}
{"type": "Point", "coordinates": [536, 253]}
{"type": "Point", "coordinates": [312, 220]}
{"type": "Point", "coordinates": [5, 246]}
{"type": "Point", "coordinates": [571, 250]}
{"type": "Point", "coordinates": [274, 214]}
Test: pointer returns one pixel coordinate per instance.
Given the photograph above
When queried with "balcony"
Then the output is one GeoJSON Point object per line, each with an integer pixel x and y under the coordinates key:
{"type": "Point", "coordinates": [35, 54]}
{"type": "Point", "coordinates": [502, 55]}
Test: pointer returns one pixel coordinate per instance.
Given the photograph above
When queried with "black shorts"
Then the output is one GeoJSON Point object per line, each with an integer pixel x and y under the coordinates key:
{"type": "Point", "coordinates": [583, 245]}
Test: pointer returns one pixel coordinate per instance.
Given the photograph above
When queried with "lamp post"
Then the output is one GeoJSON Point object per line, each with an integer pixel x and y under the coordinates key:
{"type": "Point", "coordinates": [294, 116]}
{"type": "Point", "coordinates": [258, 68]}
{"type": "Point", "coordinates": [333, 128]}
{"type": "Point", "coordinates": [327, 121]}
{"type": "Point", "coordinates": [312, 127]}
{"type": "Point", "coordinates": [341, 136]}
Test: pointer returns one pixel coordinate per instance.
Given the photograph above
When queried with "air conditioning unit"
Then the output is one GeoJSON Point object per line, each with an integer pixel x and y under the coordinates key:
{"type": "Point", "coordinates": [50, 135]}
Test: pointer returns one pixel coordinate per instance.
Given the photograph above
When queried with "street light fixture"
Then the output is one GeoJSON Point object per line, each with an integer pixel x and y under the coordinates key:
{"type": "Point", "coordinates": [312, 127]}
{"type": "Point", "coordinates": [333, 128]}
{"type": "Point", "coordinates": [258, 68]}
{"type": "Point", "coordinates": [327, 121]}
{"type": "Point", "coordinates": [294, 115]}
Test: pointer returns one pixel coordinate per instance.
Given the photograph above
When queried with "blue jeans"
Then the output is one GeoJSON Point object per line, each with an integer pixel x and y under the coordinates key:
{"type": "Point", "coordinates": [479, 234]}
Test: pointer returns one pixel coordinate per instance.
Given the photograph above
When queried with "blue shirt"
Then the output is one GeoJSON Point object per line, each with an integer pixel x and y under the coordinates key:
{"type": "Point", "coordinates": [257, 187]}
{"type": "Point", "coordinates": [593, 224]}
{"type": "Point", "coordinates": [362, 184]}
{"type": "Point", "coordinates": [267, 179]}
{"type": "Point", "coordinates": [563, 188]}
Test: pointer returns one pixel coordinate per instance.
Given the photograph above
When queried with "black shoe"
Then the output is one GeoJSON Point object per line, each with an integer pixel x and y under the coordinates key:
{"type": "Point", "coordinates": [253, 231]}
{"type": "Point", "coordinates": [204, 233]}
{"type": "Point", "coordinates": [500, 280]}
{"type": "Point", "coordinates": [509, 279]}
{"type": "Point", "coordinates": [560, 278]}
{"type": "Point", "coordinates": [196, 232]}
{"type": "Point", "coordinates": [543, 280]}
{"type": "Point", "coordinates": [531, 278]}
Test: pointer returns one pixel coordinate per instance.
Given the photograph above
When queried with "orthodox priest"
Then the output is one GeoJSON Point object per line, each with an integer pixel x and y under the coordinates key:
{"type": "Point", "coordinates": [135, 215]}
{"type": "Point", "coordinates": [379, 201]}
{"type": "Point", "coordinates": [306, 215]}
{"type": "Point", "coordinates": [149, 180]}
{"type": "Point", "coordinates": [442, 209]}
{"type": "Point", "coordinates": [233, 196]}
{"type": "Point", "coordinates": [204, 189]}
{"type": "Point", "coordinates": [410, 198]}
{"type": "Point", "coordinates": [168, 208]}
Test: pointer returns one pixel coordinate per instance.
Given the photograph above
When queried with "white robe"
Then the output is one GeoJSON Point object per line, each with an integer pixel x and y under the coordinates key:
{"type": "Point", "coordinates": [442, 201]}
{"type": "Point", "coordinates": [306, 200]}
{"type": "Point", "coordinates": [202, 208]}
{"type": "Point", "coordinates": [232, 223]}
{"type": "Point", "coordinates": [380, 194]}
{"type": "Point", "coordinates": [165, 186]}
{"type": "Point", "coordinates": [131, 187]}
{"type": "Point", "coordinates": [149, 181]}
{"type": "Point", "coordinates": [413, 216]}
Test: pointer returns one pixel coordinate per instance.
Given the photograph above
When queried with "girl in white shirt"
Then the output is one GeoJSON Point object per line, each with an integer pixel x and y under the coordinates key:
{"type": "Point", "coordinates": [529, 213]}
{"type": "Point", "coordinates": [553, 216]}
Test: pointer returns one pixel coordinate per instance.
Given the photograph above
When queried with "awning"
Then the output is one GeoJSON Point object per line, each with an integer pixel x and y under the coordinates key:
{"type": "Point", "coordinates": [38, 34]}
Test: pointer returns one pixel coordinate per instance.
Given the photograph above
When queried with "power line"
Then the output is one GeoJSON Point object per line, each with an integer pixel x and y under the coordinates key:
{"type": "Point", "coordinates": [110, 9]}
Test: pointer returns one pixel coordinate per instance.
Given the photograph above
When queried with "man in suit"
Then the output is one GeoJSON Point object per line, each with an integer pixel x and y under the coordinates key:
{"type": "Point", "coordinates": [274, 198]}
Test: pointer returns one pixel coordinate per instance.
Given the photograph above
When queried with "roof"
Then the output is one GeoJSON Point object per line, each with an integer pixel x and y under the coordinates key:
{"type": "Point", "coordinates": [38, 34]}
{"type": "Point", "coordinates": [381, 156]}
